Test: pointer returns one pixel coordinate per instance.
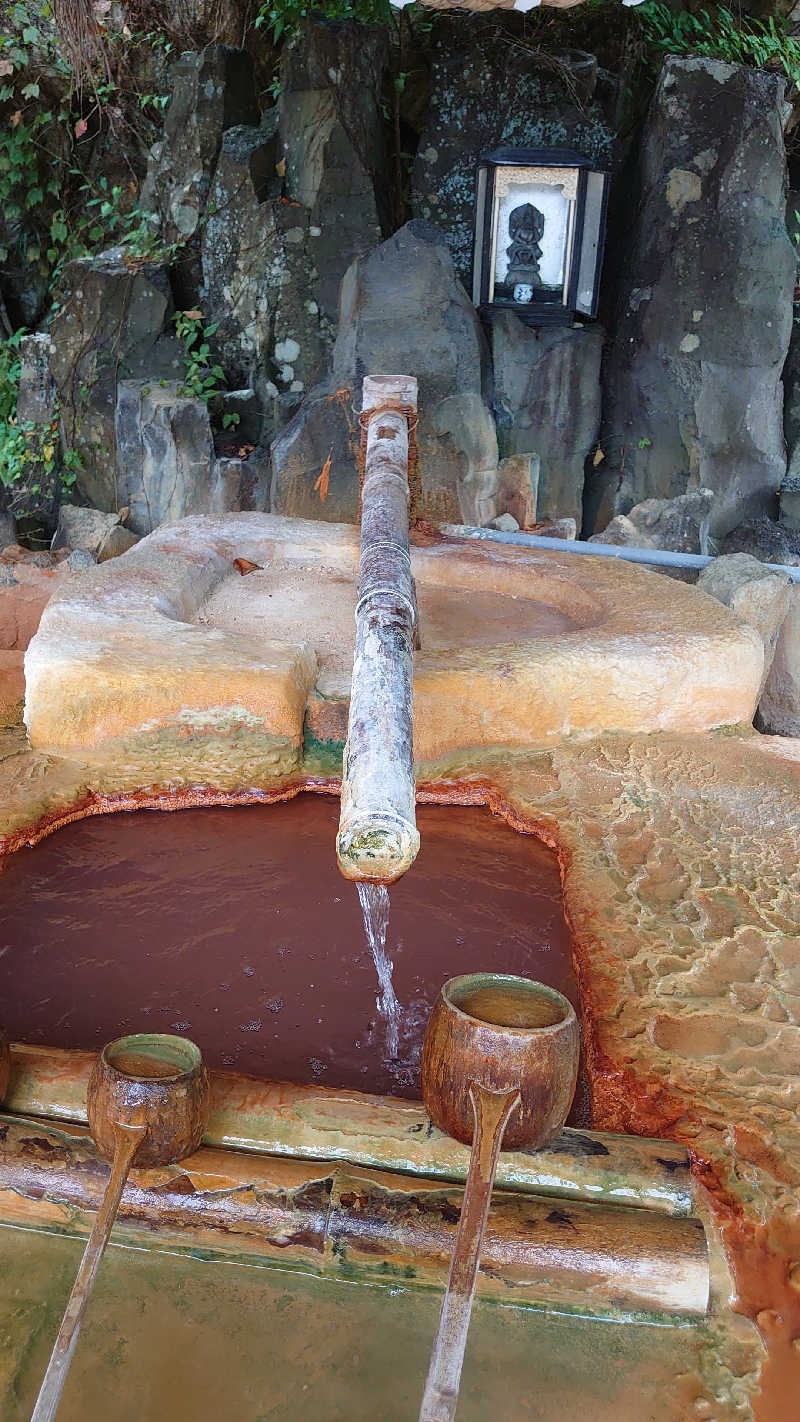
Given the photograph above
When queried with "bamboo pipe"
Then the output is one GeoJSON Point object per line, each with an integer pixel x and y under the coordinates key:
{"type": "Point", "coordinates": [320, 1123]}
{"type": "Point", "coordinates": [361, 1225]}
{"type": "Point", "coordinates": [378, 838]}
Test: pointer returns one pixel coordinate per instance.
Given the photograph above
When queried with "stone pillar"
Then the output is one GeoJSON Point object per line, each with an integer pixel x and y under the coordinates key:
{"type": "Point", "coordinates": [547, 403]}
{"type": "Point", "coordinates": [331, 132]}
{"type": "Point", "coordinates": [693, 393]}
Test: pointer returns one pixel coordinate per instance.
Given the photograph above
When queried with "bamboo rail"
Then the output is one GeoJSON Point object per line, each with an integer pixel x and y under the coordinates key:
{"type": "Point", "coordinates": [360, 1225]}
{"type": "Point", "coordinates": [384, 1132]}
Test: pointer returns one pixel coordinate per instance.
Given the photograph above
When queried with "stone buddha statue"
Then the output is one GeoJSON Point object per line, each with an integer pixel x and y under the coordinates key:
{"type": "Point", "coordinates": [525, 227]}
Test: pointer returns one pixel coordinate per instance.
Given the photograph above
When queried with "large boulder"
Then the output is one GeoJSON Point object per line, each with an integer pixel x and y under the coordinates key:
{"type": "Point", "coordinates": [674, 525]}
{"type": "Point", "coordinates": [212, 91]}
{"type": "Point", "coordinates": [547, 403]}
{"type": "Point", "coordinates": [102, 535]}
{"type": "Point", "coordinates": [110, 327]}
{"type": "Point", "coordinates": [765, 539]}
{"type": "Point", "coordinates": [236, 254]}
{"type": "Point", "coordinates": [167, 465]}
{"type": "Point", "coordinates": [754, 593]}
{"type": "Point", "coordinates": [485, 94]}
{"type": "Point", "coordinates": [165, 453]}
{"type": "Point", "coordinates": [779, 707]}
{"type": "Point", "coordinates": [403, 310]}
{"type": "Point", "coordinates": [693, 388]}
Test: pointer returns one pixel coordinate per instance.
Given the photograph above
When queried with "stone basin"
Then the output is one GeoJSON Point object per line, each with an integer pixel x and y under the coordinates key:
{"type": "Point", "coordinates": [171, 643]}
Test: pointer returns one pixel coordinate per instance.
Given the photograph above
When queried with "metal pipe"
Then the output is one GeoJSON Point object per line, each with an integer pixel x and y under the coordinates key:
{"type": "Point", "coordinates": [658, 557]}
{"type": "Point", "coordinates": [378, 839]}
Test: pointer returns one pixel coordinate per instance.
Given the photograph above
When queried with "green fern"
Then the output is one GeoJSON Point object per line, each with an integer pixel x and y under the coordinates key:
{"type": "Point", "coordinates": [764, 44]}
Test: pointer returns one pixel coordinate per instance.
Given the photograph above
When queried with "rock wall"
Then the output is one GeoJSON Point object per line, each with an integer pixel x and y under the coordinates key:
{"type": "Point", "coordinates": [487, 93]}
{"type": "Point", "coordinates": [277, 223]}
{"type": "Point", "coordinates": [212, 91]}
{"type": "Point", "coordinates": [112, 326]}
{"type": "Point", "coordinates": [403, 310]}
{"type": "Point", "coordinates": [693, 391]}
{"type": "Point", "coordinates": [547, 403]}
{"type": "Point", "coordinates": [258, 264]}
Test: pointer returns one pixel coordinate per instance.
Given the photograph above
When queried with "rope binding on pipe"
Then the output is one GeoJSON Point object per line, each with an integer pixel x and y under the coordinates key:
{"type": "Point", "coordinates": [409, 414]}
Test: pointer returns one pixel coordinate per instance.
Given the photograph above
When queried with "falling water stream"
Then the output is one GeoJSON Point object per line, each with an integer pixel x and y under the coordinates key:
{"type": "Point", "coordinates": [374, 899]}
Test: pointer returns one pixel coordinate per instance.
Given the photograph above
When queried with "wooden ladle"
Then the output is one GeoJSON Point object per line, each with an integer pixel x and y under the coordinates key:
{"type": "Point", "coordinates": [499, 1066]}
{"type": "Point", "coordinates": [147, 1103]}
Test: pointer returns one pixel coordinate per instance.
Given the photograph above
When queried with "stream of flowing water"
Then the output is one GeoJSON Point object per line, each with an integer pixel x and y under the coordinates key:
{"type": "Point", "coordinates": [374, 899]}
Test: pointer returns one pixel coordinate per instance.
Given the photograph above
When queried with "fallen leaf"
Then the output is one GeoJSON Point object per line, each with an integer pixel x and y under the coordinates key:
{"type": "Point", "coordinates": [598, 457]}
{"type": "Point", "coordinates": [280, 168]}
{"type": "Point", "coordinates": [6, 67]}
{"type": "Point", "coordinates": [80, 128]}
{"type": "Point", "coordinates": [422, 534]}
{"type": "Point", "coordinates": [321, 485]}
{"type": "Point", "coordinates": [16, 118]}
{"type": "Point", "coordinates": [195, 315]}
{"type": "Point", "coordinates": [244, 566]}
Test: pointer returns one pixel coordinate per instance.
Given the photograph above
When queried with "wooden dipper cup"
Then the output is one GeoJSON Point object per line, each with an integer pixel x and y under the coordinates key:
{"type": "Point", "coordinates": [499, 1066]}
{"type": "Point", "coordinates": [147, 1103]}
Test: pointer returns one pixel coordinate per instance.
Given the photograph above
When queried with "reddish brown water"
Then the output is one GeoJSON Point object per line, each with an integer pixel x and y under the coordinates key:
{"type": "Point", "coordinates": [234, 927]}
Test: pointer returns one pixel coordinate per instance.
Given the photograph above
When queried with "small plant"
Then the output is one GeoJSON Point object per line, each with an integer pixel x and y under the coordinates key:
{"type": "Point", "coordinates": [737, 39]}
{"type": "Point", "coordinates": [31, 466]}
{"type": "Point", "coordinates": [645, 443]}
{"type": "Point", "coordinates": [204, 379]}
{"type": "Point", "coordinates": [283, 17]}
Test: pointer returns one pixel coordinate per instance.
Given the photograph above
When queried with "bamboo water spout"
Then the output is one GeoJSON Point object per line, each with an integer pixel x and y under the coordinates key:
{"type": "Point", "coordinates": [378, 838]}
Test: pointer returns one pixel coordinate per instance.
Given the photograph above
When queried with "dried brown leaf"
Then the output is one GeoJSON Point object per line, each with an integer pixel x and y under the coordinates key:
{"type": "Point", "coordinates": [321, 486]}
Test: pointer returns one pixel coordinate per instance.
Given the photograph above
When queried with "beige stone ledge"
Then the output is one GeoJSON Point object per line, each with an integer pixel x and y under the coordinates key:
{"type": "Point", "coordinates": [170, 644]}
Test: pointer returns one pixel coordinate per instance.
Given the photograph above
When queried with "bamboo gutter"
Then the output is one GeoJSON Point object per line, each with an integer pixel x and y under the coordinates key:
{"type": "Point", "coordinates": [361, 1225]}
{"type": "Point", "coordinates": [381, 1132]}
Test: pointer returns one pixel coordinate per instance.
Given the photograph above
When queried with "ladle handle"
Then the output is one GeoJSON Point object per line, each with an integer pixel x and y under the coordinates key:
{"type": "Point", "coordinates": [491, 1110]}
{"type": "Point", "coordinates": [127, 1138]}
